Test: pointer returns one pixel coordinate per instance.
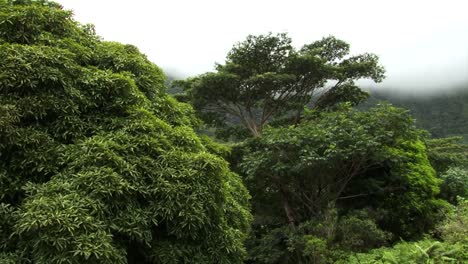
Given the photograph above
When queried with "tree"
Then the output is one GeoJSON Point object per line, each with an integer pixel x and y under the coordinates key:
{"type": "Point", "coordinates": [98, 164]}
{"type": "Point", "coordinates": [338, 182]}
{"type": "Point", "coordinates": [265, 77]}
{"type": "Point", "coordinates": [346, 158]}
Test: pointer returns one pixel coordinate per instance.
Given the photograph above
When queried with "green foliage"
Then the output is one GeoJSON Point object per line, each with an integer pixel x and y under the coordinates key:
{"type": "Point", "coordinates": [455, 228]}
{"type": "Point", "coordinates": [288, 244]}
{"type": "Point", "coordinates": [28, 22]}
{"type": "Point", "coordinates": [372, 165]}
{"type": "Point", "coordinates": [449, 157]}
{"type": "Point", "coordinates": [8, 258]}
{"type": "Point", "coordinates": [454, 184]}
{"type": "Point", "coordinates": [126, 58]}
{"type": "Point", "coordinates": [354, 159]}
{"type": "Point", "coordinates": [324, 239]}
{"type": "Point", "coordinates": [443, 113]}
{"type": "Point", "coordinates": [453, 248]}
{"type": "Point", "coordinates": [98, 164]}
{"type": "Point", "coordinates": [8, 217]}
{"type": "Point", "coordinates": [413, 198]}
{"type": "Point", "coordinates": [316, 248]}
{"type": "Point", "coordinates": [425, 251]}
{"type": "Point", "coordinates": [447, 152]}
{"type": "Point", "coordinates": [264, 78]}
{"type": "Point", "coordinates": [214, 147]}
{"type": "Point", "coordinates": [357, 231]}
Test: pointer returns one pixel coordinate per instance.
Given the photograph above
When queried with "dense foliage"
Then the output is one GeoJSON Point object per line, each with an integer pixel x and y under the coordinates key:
{"type": "Point", "coordinates": [452, 249]}
{"type": "Point", "coordinates": [348, 159]}
{"type": "Point", "coordinates": [447, 152]}
{"type": "Point", "coordinates": [98, 164]}
{"type": "Point", "coordinates": [327, 180]}
{"type": "Point", "coordinates": [324, 152]}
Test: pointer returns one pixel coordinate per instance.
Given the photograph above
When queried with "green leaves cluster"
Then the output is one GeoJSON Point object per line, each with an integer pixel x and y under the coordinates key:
{"type": "Point", "coordinates": [97, 163]}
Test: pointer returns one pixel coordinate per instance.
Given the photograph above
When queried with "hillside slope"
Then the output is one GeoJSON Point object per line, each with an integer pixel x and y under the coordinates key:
{"type": "Point", "coordinates": [444, 114]}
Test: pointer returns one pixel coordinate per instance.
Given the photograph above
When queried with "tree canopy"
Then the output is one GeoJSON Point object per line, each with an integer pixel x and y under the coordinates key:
{"type": "Point", "coordinates": [265, 77]}
{"type": "Point", "coordinates": [98, 164]}
{"type": "Point", "coordinates": [346, 179]}
{"type": "Point", "coordinates": [345, 156]}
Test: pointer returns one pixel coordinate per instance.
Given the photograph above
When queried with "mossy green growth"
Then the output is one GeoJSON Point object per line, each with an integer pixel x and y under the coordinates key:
{"type": "Point", "coordinates": [97, 163]}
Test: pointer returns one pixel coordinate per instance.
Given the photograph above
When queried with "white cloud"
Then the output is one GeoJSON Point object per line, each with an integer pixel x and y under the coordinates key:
{"type": "Point", "coordinates": [421, 43]}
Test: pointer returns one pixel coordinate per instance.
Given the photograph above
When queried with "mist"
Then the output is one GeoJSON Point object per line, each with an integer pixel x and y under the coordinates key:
{"type": "Point", "coordinates": [422, 44]}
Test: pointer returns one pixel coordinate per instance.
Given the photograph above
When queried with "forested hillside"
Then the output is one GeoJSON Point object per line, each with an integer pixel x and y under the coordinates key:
{"type": "Point", "coordinates": [443, 114]}
{"type": "Point", "coordinates": [99, 164]}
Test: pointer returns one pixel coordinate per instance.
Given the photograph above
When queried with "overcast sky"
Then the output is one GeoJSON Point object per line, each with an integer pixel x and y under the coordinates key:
{"type": "Point", "coordinates": [422, 44]}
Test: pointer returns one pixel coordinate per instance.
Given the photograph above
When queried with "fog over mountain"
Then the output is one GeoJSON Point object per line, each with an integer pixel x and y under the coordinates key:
{"type": "Point", "coordinates": [422, 44]}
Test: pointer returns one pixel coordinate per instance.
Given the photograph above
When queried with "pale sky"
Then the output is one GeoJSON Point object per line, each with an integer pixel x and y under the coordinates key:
{"type": "Point", "coordinates": [422, 44]}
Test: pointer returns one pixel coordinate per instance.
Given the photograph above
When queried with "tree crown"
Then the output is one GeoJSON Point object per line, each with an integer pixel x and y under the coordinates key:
{"type": "Point", "coordinates": [265, 77]}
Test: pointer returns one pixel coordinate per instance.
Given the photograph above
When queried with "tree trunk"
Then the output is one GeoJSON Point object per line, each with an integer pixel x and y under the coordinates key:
{"type": "Point", "coordinates": [285, 194]}
{"type": "Point", "coordinates": [290, 213]}
{"type": "Point", "coordinates": [253, 128]}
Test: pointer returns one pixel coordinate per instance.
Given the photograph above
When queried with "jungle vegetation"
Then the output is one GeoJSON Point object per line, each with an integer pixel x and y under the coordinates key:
{"type": "Point", "coordinates": [100, 164]}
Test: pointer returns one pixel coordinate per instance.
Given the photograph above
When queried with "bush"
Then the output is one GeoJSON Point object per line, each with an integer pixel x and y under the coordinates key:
{"type": "Point", "coordinates": [357, 231]}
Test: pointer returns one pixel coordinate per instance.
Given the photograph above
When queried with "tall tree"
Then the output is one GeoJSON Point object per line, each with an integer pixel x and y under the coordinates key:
{"type": "Point", "coordinates": [265, 77]}
{"type": "Point", "coordinates": [97, 163]}
{"type": "Point", "coordinates": [338, 156]}
{"type": "Point", "coordinates": [347, 160]}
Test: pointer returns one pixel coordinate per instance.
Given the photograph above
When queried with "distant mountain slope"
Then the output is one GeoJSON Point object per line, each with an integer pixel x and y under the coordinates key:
{"type": "Point", "coordinates": [444, 114]}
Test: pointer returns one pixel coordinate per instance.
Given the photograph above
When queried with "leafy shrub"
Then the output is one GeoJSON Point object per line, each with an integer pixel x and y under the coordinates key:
{"type": "Point", "coordinates": [357, 231]}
